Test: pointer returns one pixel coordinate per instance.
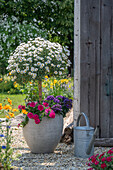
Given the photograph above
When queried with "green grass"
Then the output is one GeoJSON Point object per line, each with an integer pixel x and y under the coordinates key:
{"type": "Point", "coordinates": [17, 99]}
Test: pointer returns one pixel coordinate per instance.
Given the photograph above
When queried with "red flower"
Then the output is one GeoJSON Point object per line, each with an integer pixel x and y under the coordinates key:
{"type": "Point", "coordinates": [45, 104]}
{"type": "Point", "coordinates": [103, 159]}
{"type": "Point", "coordinates": [110, 151]}
{"type": "Point", "coordinates": [32, 104]}
{"type": "Point", "coordinates": [103, 165]}
{"type": "Point", "coordinates": [40, 107]}
{"type": "Point", "coordinates": [90, 169]}
{"type": "Point", "coordinates": [101, 155]}
{"type": "Point", "coordinates": [35, 117]}
{"type": "Point", "coordinates": [37, 121]}
{"type": "Point", "coordinates": [93, 159]}
{"type": "Point", "coordinates": [96, 162]}
{"type": "Point", "coordinates": [108, 159]}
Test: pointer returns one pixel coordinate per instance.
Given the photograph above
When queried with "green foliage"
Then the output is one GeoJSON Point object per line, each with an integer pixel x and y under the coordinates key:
{"type": "Point", "coordinates": [12, 33]}
{"type": "Point", "coordinates": [55, 16]}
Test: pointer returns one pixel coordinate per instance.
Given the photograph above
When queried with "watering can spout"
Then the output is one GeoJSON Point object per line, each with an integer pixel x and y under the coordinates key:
{"type": "Point", "coordinates": [88, 150]}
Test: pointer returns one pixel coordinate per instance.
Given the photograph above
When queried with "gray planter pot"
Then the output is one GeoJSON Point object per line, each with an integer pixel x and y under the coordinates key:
{"type": "Point", "coordinates": [43, 137]}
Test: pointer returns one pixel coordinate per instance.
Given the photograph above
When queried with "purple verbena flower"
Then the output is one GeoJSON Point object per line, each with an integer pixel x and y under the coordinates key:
{"type": "Point", "coordinates": [56, 100]}
{"type": "Point", "coordinates": [68, 103]}
{"type": "Point", "coordinates": [59, 97]}
{"type": "Point", "coordinates": [56, 107]}
{"type": "Point", "coordinates": [50, 97]}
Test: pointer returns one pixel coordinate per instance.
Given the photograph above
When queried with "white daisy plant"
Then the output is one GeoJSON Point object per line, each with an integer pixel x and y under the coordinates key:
{"type": "Point", "coordinates": [37, 58]}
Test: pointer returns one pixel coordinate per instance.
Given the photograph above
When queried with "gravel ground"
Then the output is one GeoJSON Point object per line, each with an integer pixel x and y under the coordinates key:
{"type": "Point", "coordinates": [62, 159]}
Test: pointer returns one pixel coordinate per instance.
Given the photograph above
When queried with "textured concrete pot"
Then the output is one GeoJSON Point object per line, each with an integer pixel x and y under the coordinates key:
{"type": "Point", "coordinates": [43, 137]}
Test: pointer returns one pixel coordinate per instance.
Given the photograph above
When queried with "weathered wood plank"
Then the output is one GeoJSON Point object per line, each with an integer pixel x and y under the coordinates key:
{"type": "Point", "coordinates": [90, 39]}
{"type": "Point", "coordinates": [104, 142]}
{"type": "Point", "coordinates": [105, 68]}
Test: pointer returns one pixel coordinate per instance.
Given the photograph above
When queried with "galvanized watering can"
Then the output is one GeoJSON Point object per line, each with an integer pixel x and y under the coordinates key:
{"type": "Point", "coordinates": [84, 137]}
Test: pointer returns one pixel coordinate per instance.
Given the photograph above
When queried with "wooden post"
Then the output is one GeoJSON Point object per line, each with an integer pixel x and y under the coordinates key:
{"type": "Point", "coordinates": [40, 89]}
{"type": "Point", "coordinates": [76, 104]}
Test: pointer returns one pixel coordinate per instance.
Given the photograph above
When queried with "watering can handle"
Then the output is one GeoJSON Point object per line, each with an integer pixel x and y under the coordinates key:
{"type": "Point", "coordinates": [86, 119]}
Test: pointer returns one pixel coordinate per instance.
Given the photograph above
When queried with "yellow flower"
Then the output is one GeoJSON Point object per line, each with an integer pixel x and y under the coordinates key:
{"type": "Point", "coordinates": [24, 111]}
{"type": "Point", "coordinates": [10, 73]}
{"type": "Point", "coordinates": [51, 87]}
{"type": "Point", "coordinates": [46, 77]}
{"type": "Point", "coordinates": [1, 79]}
{"type": "Point", "coordinates": [14, 110]}
{"type": "Point", "coordinates": [51, 84]}
{"type": "Point", "coordinates": [5, 81]}
{"type": "Point", "coordinates": [14, 83]}
{"type": "Point", "coordinates": [0, 106]}
{"type": "Point", "coordinates": [7, 107]}
{"type": "Point", "coordinates": [11, 114]}
{"type": "Point", "coordinates": [7, 117]}
{"type": "Point", "coordinates": [55, 81]}
{"type": "Point", "coordinates": [9, 101]}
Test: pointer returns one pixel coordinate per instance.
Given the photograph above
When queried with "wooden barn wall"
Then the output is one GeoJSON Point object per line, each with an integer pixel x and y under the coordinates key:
{"type": "Point", "coordinates": [97, 64]}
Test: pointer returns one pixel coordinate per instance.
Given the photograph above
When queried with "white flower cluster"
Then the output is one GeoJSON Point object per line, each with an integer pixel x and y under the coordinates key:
{"type": "Point", "coordinates": [37, 58]}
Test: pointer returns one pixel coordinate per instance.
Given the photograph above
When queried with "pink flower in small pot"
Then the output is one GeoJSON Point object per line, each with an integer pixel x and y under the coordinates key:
{"type": "Point", "coordinates": [103, 159]}
{"type": "Point", "coordinates": [30, 115]}
{"type": "Point", "coordinates": [45, 104]}
{"type": "Point", "coordinates": [37, 121]}
{"type": "Point", "coordinates": [40, 107]}
{"type": "Point", "coordinates": [52, 114]}
{"type": "Point", "coordinates": [103, 165]}
{"type": "Point", "coordinates": [96, 162]}
{"type": "Point", "coordinates": [108, 159]}
{"type": "Point", "coordinates": [35, 117]}
{"type": "Point", "coordinates": [32, 104]}
{"type": "Point", "coordinates": [110, 151]}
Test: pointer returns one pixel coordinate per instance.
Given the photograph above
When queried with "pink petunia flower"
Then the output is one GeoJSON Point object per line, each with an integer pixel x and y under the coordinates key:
{"type": "Point", "coordinates": [37, 121]}
{"type": "Point", "coordinates": [47, 110]}
{"type": "Point", "coordinates": [32, 104]}
{"type": "Point", "coordinates": [35, 117]}
{"type": "Point", "coordinates": [45, 104]}
{"type": "Point", "coordinates": [52, 114]}
{"type": "Point", "coordinates": [30, 115]}
{"type": "Point", "coordinates": [40, 107]}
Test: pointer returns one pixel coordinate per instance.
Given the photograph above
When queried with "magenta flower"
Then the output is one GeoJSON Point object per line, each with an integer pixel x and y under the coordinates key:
{"type": "Point", "coordinates": [32, 104]}
{"type": "Point", "coordinates": [21, 107]}
{"type": "Point", "coordinates": [30, 115]}
{"type": "Point", "coordinates": [37, 121]}
{"type": "Point", "coordinates": [52, 114]}
{"type": "Point", "coordinates": [40, 107]}
{"type": "Point", "coordinates": [28, 104]}
{"type": "Point", "coordinates": [47, 110]}
{"type": "Point", "coordinates": [96, 162]}
{"type": "Point", "coordinates": [45, 104]}
{"type": "Point", "coordinates": [35, 117]}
